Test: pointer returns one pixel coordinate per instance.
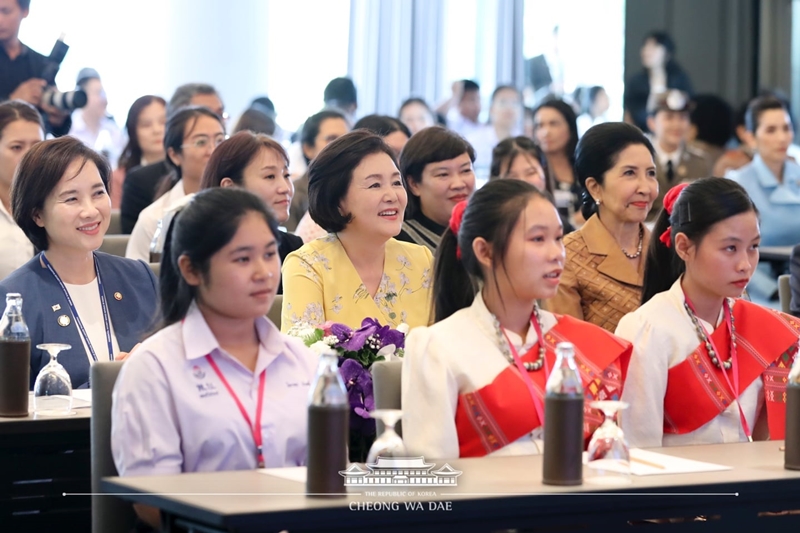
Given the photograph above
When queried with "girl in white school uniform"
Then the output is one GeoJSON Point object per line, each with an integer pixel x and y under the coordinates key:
{"type": "Point", "coordinates": [707, 366]}
{"type": "Point", "coordinates": [473, 382]}
{"type": "Point", "coordinates": [219, 387]}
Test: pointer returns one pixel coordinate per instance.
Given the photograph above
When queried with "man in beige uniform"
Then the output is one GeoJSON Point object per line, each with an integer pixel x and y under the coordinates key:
{"type": "Point", "coordinates": [668, 119]}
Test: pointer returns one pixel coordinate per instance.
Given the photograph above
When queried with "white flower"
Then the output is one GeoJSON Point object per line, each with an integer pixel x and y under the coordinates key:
{"type": "Point", "coordinates": [330, 340]}
{"type": "Point", "coordinates": [320, 347]}
{"type": "Point", "coordinates": [403, 328]}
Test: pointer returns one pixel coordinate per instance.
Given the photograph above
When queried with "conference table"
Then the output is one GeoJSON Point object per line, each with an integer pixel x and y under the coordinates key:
{"type": "Point", "coordinates": [41, 458]}
{"type": "Point", "coordinates": [491, 494]}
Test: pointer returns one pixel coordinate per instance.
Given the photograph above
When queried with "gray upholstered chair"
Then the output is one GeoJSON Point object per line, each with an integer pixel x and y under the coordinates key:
{"type": "Point", "coordinates": [386, 388]}
{"type": "Point", "coordinates": [115, 244]}
{"type": "Point", "coordinates": [109, 513]}
{"type": "Point", "coordinates": [115, 227]}
{"type": "Point", "coordinates": [156, 268]}
{"type": "Point", "coordinates": [274, 314]}
{"type": "Point", "coordinates": [785, 293]}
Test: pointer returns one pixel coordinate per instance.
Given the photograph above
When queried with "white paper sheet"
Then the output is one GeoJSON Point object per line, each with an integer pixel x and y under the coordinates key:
{"type": "Point", "coordinates": [647, 463]}
{"type": "Point", "coordinates": [292, 473]}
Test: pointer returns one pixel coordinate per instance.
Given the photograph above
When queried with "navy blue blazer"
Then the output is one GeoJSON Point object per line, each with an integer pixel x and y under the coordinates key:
{"type": "Point", "coordinates": [133, 310]}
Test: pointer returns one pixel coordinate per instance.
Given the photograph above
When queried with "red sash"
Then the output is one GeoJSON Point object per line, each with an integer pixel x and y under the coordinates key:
{"type": "Point", "coordinates": [766, 343]}
{"type": "Point", "coordinates": [503, 411]}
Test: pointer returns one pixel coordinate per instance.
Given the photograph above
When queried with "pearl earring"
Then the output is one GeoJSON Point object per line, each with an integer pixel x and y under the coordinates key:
{"type": "Point", "coordinates": [598, 201]}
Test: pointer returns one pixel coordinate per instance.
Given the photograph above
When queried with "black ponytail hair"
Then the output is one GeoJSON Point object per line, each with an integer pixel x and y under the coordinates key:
{"type": "Point", "coordinates": [492, 212]}
{"type": "Point", "coordinates": [199, 231]}
{"type": "Point", "coordinates": [699, 206]}
{"type": "Point", "coordinates": [598, 151]}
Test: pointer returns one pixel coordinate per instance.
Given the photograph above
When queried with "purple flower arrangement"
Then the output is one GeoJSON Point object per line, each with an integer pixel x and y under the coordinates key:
{"type": "Point", "coordinates": [358, 350]}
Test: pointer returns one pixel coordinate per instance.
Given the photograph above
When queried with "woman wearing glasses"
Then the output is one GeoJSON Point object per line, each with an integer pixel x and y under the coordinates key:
{"type": "Point", "coordinates": [192, 135]}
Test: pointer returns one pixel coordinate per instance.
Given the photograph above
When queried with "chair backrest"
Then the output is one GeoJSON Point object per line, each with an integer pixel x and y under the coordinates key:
{"type": "Point", "coordinates": [785, 292]}
{"type": "Point", "coordinates": [115, 227]}
{"type": "Point", "coordinates": [386, 387]}
{"type": "Point", "coordinates": [274, 314]}
{"type": "Point", "coordinates": [115, 244]}
{"type": "Point", "coordinates": [109, 513]}
{"type": "Point", "coordinates": [156, 268]}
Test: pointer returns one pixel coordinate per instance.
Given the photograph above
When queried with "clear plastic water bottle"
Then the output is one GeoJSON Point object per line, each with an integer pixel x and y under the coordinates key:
{"type": "Point", "coordinates": [792, 453]}
{"type": "Point", "coordinates": [15, 359]}
{"type": "Point", "coordinates": [328, 429]}
{"type": "Point", "coordinates": [563, 421]}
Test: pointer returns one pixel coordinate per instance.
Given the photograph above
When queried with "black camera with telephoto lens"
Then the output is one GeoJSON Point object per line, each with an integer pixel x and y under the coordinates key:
{"type": "Point", "coordinates": [64, 101]}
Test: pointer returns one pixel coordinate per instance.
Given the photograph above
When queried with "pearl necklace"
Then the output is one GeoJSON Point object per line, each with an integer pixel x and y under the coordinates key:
{"type": "Point", "coordinates": [639, 248]}
{"type": "Point", "coordinates": [501, 338]}
{"type": "Point", "coordinates": [703, 336]}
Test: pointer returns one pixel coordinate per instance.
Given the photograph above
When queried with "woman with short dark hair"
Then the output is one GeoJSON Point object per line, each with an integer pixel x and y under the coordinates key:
{"type": "Point", "coordinates": [101, 305]}
{"type": "Point", "coordinates": [359, 270]}
{"type": "Point", "coordinates": [436, 164]}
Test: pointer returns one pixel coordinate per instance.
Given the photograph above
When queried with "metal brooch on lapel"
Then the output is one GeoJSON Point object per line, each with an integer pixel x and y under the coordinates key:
{"type": "Point", "coordinates": [63, 321]}
{"type": "Point", "coordinates": [118, 296]}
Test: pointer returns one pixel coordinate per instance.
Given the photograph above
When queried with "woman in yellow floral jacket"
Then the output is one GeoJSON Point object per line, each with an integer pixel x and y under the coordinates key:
{"type": "Point", "coordinates": [358, 270]}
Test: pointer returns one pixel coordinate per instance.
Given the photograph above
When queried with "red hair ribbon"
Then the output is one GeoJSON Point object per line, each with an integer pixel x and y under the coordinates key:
{"type": "Point", "coordinates": [669, 202]}
{"type": "Point", "coordinates": [455, 222]}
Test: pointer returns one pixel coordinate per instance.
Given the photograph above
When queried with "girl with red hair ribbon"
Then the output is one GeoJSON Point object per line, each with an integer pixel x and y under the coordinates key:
{"type": "Point", "coordinates": [708, 367]}
{"type": "Point", "coordinates": [473, 382]}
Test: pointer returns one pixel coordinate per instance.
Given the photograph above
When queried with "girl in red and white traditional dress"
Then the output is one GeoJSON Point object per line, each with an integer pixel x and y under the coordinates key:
{"type": "Point", "coordinates": [473, 382]}
{"type": "Point", "coordinates": [707, 366]}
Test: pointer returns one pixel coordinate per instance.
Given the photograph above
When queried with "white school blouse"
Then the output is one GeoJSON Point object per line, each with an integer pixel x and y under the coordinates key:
{"type": "Point", "coordinates": [15, 248]}
{"type": "Point", "coordinates": [171, 413]}
{"type": "Point", "coordinates": [458, 355]}
{"type": "Point", "coordinates": [147, 223]}
{"type": "Point", "coordinates": [663, 336]}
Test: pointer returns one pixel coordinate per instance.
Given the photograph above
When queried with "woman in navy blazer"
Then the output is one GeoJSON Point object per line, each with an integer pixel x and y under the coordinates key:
{"type": "Point", "coordinates": [101, 305]}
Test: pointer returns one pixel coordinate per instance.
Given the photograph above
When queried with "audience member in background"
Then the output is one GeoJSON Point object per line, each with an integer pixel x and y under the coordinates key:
{"type": "Point", "coordinates": [693, 329]}
{"type": "Point", "coordinates": [91, 124]}
{"type": "Point", "coordinates": [192, 135]}
{"type": "Point", "coordinates": [711, 126]}
{"type": "Point", "coordinates": [147, 119]}
{"type": "Point", "coordinates": [22, 68]}
{"type": "Point", "coordinates": [218, 280]}
{"type": "Point", "coordinates": [676, 161]}
{"type": "Point", "coordinates": [341, 94]}
{"type": "Point", "coordinates": [359, 271]}
{"type": "Point", "coordinates": [556, 133]}
{"type": "Point", "coordinates": [463, 108]}
{"type": "Point", "coordinates": [604, 271]}
{"type": "Point", "coordinates": [318, 131]}
{"type": "Point", "coordinates": [473, 382]}
{"type": "Point", "coordinates": [256, 121]}
{"type": "Point", "coordinates": [520, 158]}
{"type": "Point", "coordinates": [264, 105]}
{"type": "Point", "coordinates": [794, 281]}
{"type": "Point", "coordinates": [742, 154]}
{"type": "Point", "coordinates": [416, 115]}
{"type": "Point", "coordinates": [595, 108]}
{"type": "Point", "coordinates": [394, 133]}
{"type": "Point", "coordinates": [505, 120]}
{"type": "Point", "coordinates": [528, 122]}
{"type": "Point", "coordinates": [773, 182]}
{"type": "Point", "coordinates": [21, 127]}
{"type": "Point", "coordinates": [258, 164]}
{"type": "Point", "coordinates": [660, 73]}
{"type": "Point", "coordinates": [436, 165]}
{"type": "Point", "coordinates": [99, 304]}
{"type": "Point", "coordinates": [142, 184]}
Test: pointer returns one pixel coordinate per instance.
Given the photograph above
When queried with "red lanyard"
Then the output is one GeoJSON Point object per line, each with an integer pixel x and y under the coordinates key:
{"type": "Point", "coordinates": [256, 429]}
{"type": "Point", "coordinates": [727, 314]}
{"type": "Point", "coordinates": [537, 400]}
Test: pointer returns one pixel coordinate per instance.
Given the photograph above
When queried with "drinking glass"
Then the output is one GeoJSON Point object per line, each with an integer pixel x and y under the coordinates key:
{"type": "Point", "coordinates": [389, 444]}
{"type": "Point", "coordinates": [609, 461]}
{"type": "Point", "coordinates": [52, 392]}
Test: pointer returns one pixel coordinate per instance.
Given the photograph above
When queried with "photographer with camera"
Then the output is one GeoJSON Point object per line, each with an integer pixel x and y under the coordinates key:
{"type": "Point", "coordinates": [28, 75]}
